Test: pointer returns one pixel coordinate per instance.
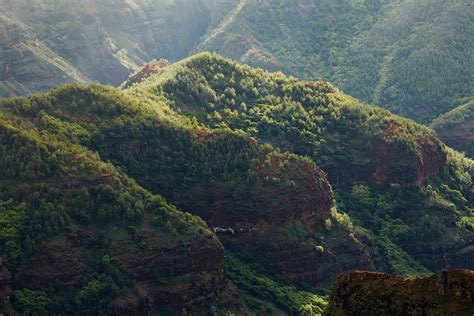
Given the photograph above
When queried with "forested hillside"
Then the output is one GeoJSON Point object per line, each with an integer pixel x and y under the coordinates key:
{"type": "Point", "coordinates": [456, 128]}
{"type": "Point", "coordinates": [52, 145]}
{"type": "Point", "coordinates": [296, 182]}
{"type": "Point", "coordinates": [72, 226]}
{"type": "Point", "coordinates": [412, 57]}
{"type": "Point", "coordinates": [393, 177]}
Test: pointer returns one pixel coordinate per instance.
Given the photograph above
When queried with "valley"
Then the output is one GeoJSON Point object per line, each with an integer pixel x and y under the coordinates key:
{"type": "Point", "coordinates": [253, 157]}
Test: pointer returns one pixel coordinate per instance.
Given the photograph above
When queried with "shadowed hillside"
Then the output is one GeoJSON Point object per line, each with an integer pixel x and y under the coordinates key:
{"type": "Point", "coordinates": [392, 176]}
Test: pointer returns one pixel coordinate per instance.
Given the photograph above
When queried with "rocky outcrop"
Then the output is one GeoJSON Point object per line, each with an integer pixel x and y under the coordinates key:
{"type": "Point", "coordinates": [145, 72]}
{"type": "Point", "coordinates": [369, 293]}
{"type": "Point", "coordinates": [397, 164]}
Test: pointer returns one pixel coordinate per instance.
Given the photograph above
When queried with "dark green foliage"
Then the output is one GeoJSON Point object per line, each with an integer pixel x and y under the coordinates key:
{"type": "Point", "coordinates": [32, 303]}
{"type": "Point", "coordinates": [302, 117]}
{"type": "Point", "coordinates": [167, 153]}
{"type": "Point", "coordinates": [294, 301]}
{"type": "Point", "coordinates": [456, 128]}
{"type": "Point", "coordinates": [201, 134]}
{"type": "Point", "coordinates": [412, 57]}
{"type": "Point", "coordinates": [12, 217]}
{"type": "Point", "coordinates": [349, 140]}
{"type": "Point", "coordinates": [52, 185]}
{"type": "Point", "coordinates": [76, 127]}
{"type": "Point", "coordinates": [95, 296]}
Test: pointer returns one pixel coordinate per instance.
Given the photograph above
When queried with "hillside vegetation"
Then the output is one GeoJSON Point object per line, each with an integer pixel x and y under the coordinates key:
{"type": "Point", "coordinates": [393, 177]}
{"type": "Point", "coordinates": [297, 180]}
{"type": "Point", "coordinates": [456, 128]}
{"type": "Point", "coordinates": [412, 57]}
{"type": "Point", "coordinates": [45, 42]}
{"type": "Point", "coordinates": [72, 225]}
{"type": "Point", "coordinates": [55, 145]}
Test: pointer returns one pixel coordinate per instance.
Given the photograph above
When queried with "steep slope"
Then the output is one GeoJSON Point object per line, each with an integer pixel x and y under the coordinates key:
{"type": "Point", "coordinates": [397, 54]}
{"type": "Point", "coordinates": [393, 177]}
{"type": "Point", "coordinates": [105, 40]}
{"type": "Point", "coordinates": [27, 64]}
{"type": "Point", "coordinates": [456, 128]}
{"type": "Point", "coordinates": [413, 57]}
{"type": "Point", "coordinates": [365, 293]}
{"type": "Point", "coordinates": [79, 236]}
{"type": "Point", "coordinates": [268, 207]}
{"type": "Point", "coordinates": [274, 205]}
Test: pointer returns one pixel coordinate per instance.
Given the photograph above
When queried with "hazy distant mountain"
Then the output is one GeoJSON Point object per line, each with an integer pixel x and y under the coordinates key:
{"type": "Point", "coordinates": [102, 40]}
{"type": "Point", "coordinates": [412, 57]}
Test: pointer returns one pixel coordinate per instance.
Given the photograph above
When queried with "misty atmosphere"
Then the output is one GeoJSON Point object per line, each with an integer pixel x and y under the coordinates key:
{"type": "Point", "coordinates": [236, 157]}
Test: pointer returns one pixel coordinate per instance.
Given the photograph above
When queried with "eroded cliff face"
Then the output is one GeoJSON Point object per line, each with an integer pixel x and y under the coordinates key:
{"type": "Point", "coordinates": [285, 224]}
{"type": "Point", "coordinates": [286, 192]}
{"type": "Point", "coordinates": [368, 293]}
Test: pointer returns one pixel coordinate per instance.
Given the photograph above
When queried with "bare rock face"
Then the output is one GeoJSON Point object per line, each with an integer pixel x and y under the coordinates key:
{"type": "Point", "coordinates": [369, 293]}
{"type": "Point", "coordinates": [146, 71]}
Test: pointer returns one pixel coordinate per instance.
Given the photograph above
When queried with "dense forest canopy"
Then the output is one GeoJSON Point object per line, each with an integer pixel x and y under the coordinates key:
{"type": "Point", "coordinates": [412, 57]}
{"type": "Point", "coordinates": [148, 167]}
{"type": "Point", "coordinates": [278, 167]}
{"type": "Point", "coordinates": [354, 143]}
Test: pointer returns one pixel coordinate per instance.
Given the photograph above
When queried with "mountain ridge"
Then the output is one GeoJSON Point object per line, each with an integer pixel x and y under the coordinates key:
{"type": "Point", "coordinates": [195, 133]}
{"type": "Point", "coordinates": [221, 93]}
{"type": "Point", "coordinates": [396, 54]}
